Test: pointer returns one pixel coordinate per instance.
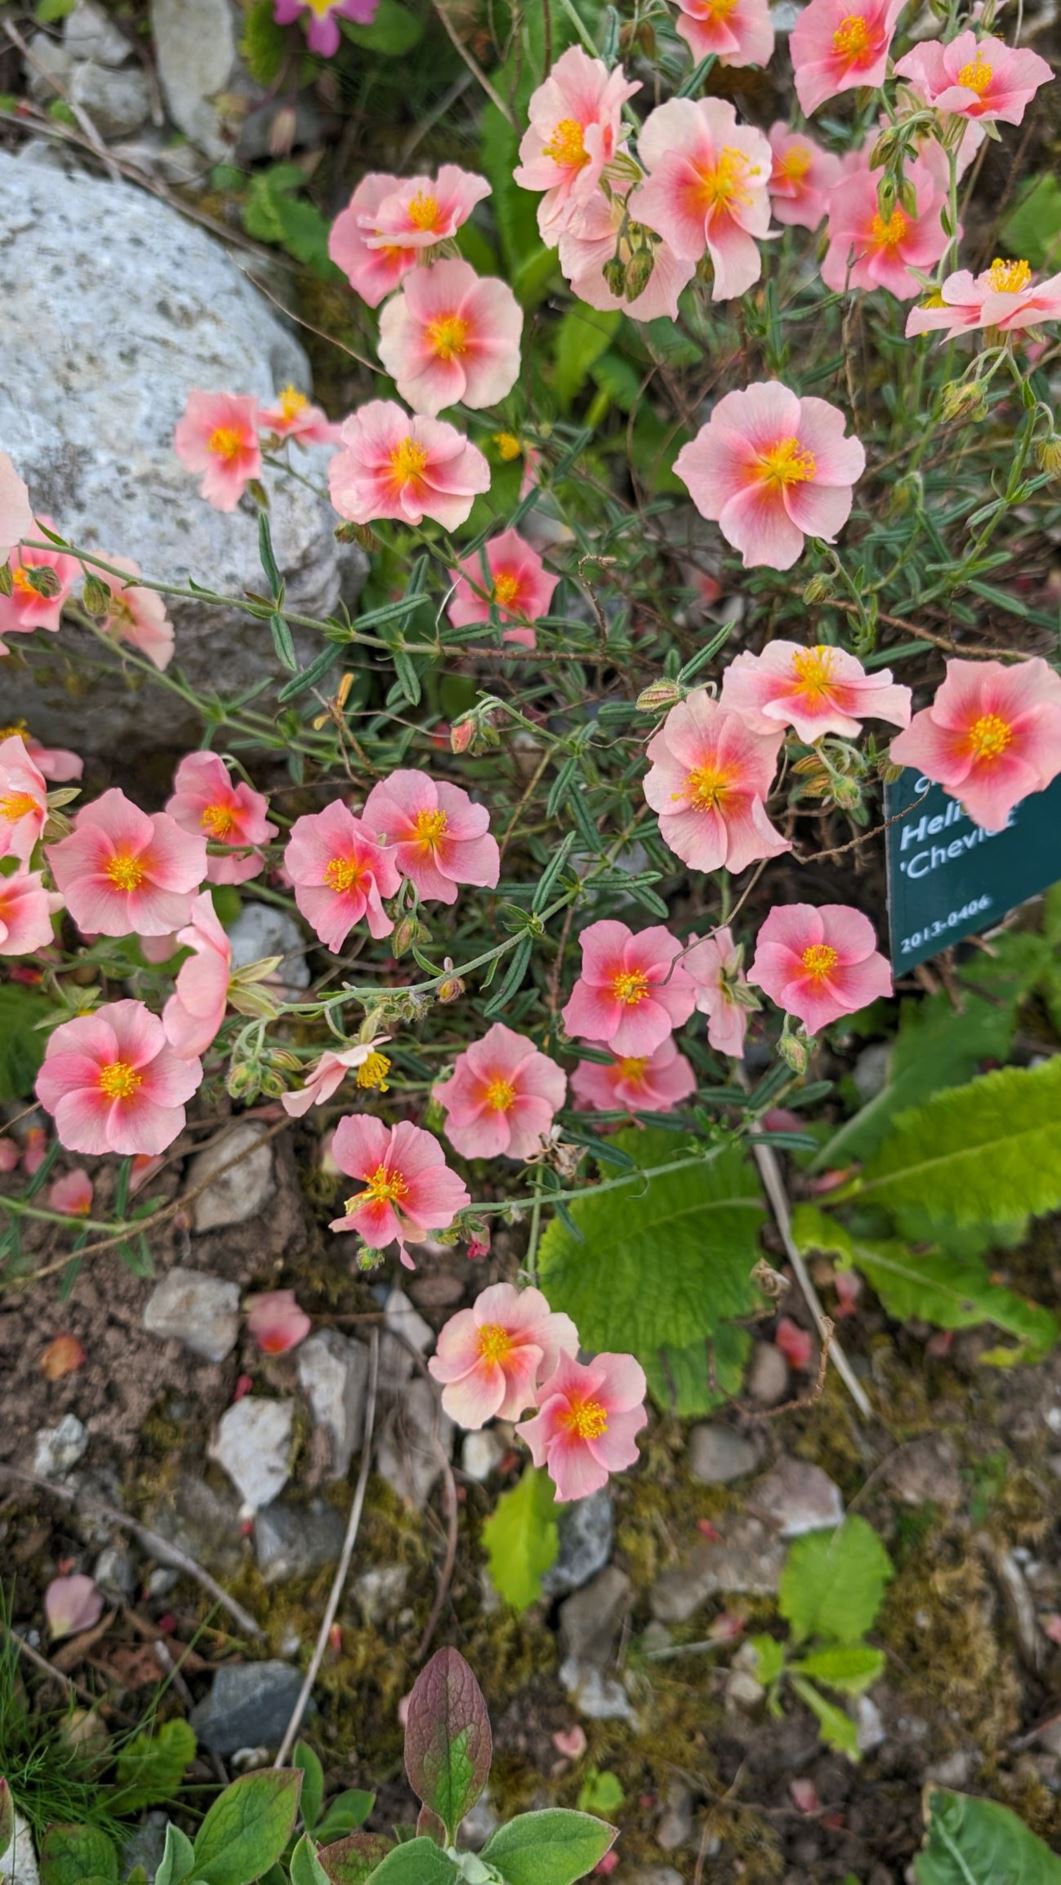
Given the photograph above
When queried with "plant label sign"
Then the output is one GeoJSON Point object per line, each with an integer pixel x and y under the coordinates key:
{"type": "Point", "coordinates": [949, 878]}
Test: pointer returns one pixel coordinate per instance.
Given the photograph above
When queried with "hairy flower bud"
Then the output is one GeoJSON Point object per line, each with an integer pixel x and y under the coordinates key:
{"type": "Point", "coordinates": [659, 696]}
{"type": "Point", "coordinates": [1048, 454]}
{"type": "Point", "coordinates": [963, 399]}
{"type": "Point", "coordinates": [639, 273]}
{"type": "Point", "coordinates": [614, 272]}
{"type": "Point", "coordinates": [846, 794]}
{"type": "Point", "coordinates": [794, 1051]}
{"type": "Point", "coordinates": [817, 590]}
{"type": "Point", "coordinates": [95, 597]}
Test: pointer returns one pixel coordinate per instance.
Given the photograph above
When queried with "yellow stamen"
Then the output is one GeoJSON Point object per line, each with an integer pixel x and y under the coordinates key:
{"type": "Point", "coordinates": [852, 38]}
{"type": "Point", "coordinates": [989, 736]}
{"type": "Point", "coordinates": [430, 828]}
{"type": "Point", "coordinates": [787, 462]}
{"type": "Point", "coordinates": [423, 210]}
{"type": "Point", "coordinates": [888, 235]}
{"type": "Point", "coordinates": [718, 9]}
{"type": "Point", "coordinates": [795, 163]}
{"type": "Point", "coordinates": [567, 146]}
{"type": "Point", "coordinates": [818, 960]}
{"type": "Point", "coordinates": [977, 76]}
{"type": "Point", "coordinates": [125, 871]}
{"type": "Point", "coordinates": [373, 1071]}
{"type": "Point", "coordinates": [724, 185]}
{"type": "Point", "coordinates": [633, 1068]}
{"type": "Point", "coordinates": [218, 820]}
{"type": "Point", "coordinates": [321, 7]}
{"type": "Point", "coordinates": [500, 1096]}
{"type": "Point", "coordinates": [630, 986]}
{"type": "Point", "coordinates": [813, 668]}
{"type": "Point", "coordinates": [342, 874]}
{"type": "Point", "coordinates": [18, 805]}
{"type": "Point", "coordinates": [292, 402]}
{"type": "Point", "coordinates": [384, 1187]}
{"type": "Point", "coordinates": [226, 443]}
{"type": "Point", "coordinates": [1009, 278]}
{"type": "Point", "coordinates": [508, 446]}
{"type": "Point", "coordinates": [587, 1419]}
{"type": "Point", "coordinates": [506, 588]}
{"type": "Point", "coordinates": [20, 580]}
{"type": "Point", "coordinates": [119, 1081]}
{"type": "Point", "coordinates": [17, 726]}
{"type": "Point", "coordinates": [707, 786]}
{"type": "Point", "coordinates": [448, 336]}
{"type": "Point", "coordinates": [407, 461]}
{"type": "Point", "coordinates": [495, 1343]}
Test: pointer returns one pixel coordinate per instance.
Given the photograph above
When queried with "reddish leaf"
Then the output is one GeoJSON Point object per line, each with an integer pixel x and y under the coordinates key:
{"type": "Point", "coordinates": [448, 1744]}
{"type": "Point", "coordinates": [351, 1860]}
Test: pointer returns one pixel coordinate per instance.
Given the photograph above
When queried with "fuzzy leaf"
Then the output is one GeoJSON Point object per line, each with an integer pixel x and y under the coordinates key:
{"type": "Point", "coordinates": [306, 1868]}
{"type": "Point", "coordinates": [352, 1860]}
{"type": "Point", "coordinates": [71, 1854]}
{"type": "Point", "coordinates": [151, 1767]}
{"type": "Point", "coordinates": [247, 1828]}
{"type": "Point", "coordinates": [178, 1858]}
{"type": "Point", "coordinates": [345, 1814]}
{"type": "Point", "coordinates": [553, 1847]}
{"type": "Point", "coordinates": [448, 1744]}
{"type": "Point", "coordinates": [418, 1862]}
{"type": "Point", "coordinates": [521, 1539]}
{"type": "Point", "coordinates": [833, 1582]}
{"type": "Point", "coordinates": [312, 1773]}
{"type": "Point", "coordinates": [849, 1667]}
{"type": "Point", "coordinates": [837, 1730]}
{"type": "Point", "coordinates": [978, 1842]}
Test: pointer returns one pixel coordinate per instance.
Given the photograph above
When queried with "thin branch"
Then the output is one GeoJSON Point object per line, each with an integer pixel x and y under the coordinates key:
{"type": "Point", "coordinates": [472, 63]}
{"type": "Point", "coordinates": [449, 1501]}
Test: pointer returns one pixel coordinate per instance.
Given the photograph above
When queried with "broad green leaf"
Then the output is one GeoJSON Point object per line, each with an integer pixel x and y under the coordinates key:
{"type": "Point", "coordinates": [396, 28]}
{"type": "Point", "coordinates": [306, 1868]}
{"type": "Point", "coordinates": [72, 1854]}
{"type": "Point", "coordinates": [608, 1275]}
{"type": "Point", "coordinates": [583, 335]}
{"type": "Point", "coordinates": [521, 1538]}
{"type": "Point", "coordinates": [247, 1828]}
{"type": "Point", "coordinates": [448, 1744]}
{"type": "Point", "coordinates": [312, 1773]}
{"type": "Point", "coordinates": [837, 1729]}
{"type": "Point", "coordinates": [151, 1766]}
{"type": "Point", "coordinates": [178, 1858]}
{"type": "Point", "coordinates": [850, 1667]}
{"type": "Point", "coordinates": [21, 1046]}
{"type": "Point", "coordinates": [769, 1658]}
{"type": "Point", "coordinates": [352, 1860]}
{"type": "Point", "coordinates": [418, 1862]}
{"type": "Point", "coordinates": [833, 1582]}
{"type": "Point", "coordinates": [345, 1814]}
{"type": "Point", "coordinates": [264, 43]}
{"type": "Point", "coordinates": [986, 1152]}
{"type": "Point", "coordinates": [600, 1793]}
{"type": "Point", "coordinates": [553, 1847]}
{"type": "Point", "coordinates": [978, 1842]}
{"type": "Point", "coordinates": [696, 1380]}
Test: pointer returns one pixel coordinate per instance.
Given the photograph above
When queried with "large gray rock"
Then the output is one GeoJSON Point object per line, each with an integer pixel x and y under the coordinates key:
{"type": "Point", "coordinates": [249, 1706]}
{"type": "Point", "coordinates": [195, 45]}
{"type": "Point", "coordinates": [115, 308]}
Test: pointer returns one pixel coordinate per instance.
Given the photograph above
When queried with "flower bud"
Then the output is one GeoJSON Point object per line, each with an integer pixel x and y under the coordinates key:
{"type": "Point", "coordinates": [357, 533]}
{"type": "Point", "coordinates": [409, 931]}
{"type": "Point", "coordinates": [817, 590]}
{"type": "Point", "coordinates": [908, 197]}
{"type": "Point", "coordinates": [794, 1051]}
{"type": "Point", "coordinates": [659, 696]}
{"type": "Point", "coordinates": [1049, 456]}
{"type": "Point", "coordinates": [461, 735]}
{"type": "Point", "coordinates": [241, 1082]}
{"type": "Point", "coordinates": [963, 399]}
{"type": "Point", "coordinates": [614, 272]}
{"type": "Point", "coordinates": [7, 582]}
{"type": "Point", "coordinates": [451, 988]}
{"type": "Point", "coordinates": [846, 794]}
{"type": "Point", "coordinates": [639, 273]}
{"type": "Point", "coordinates": [42, 579]}
{"type": "Point", "coordinates": [888, 770]}
{"type": "Point", "coordinates": [96, 598]}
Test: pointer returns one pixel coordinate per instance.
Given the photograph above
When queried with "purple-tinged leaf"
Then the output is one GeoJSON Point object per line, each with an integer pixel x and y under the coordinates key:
{"type": "Point", "coordinates": [352, 1860]}
{"type": "Point", "coordinates": [448, 1744]}
{"type": "Point", "coordinates": [429, 1826]}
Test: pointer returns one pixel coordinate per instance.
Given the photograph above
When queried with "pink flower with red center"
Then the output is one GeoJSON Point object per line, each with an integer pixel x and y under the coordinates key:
{"type": "Point", "coordinates": [396, 464]}
{"type": "Point", "coordinates": [26, 911]}
{"type": "Point", "coordinates": [205, 800]}
{"type": "Point", "coordinates": [340, 874]}
{"type": "Point", "coordinates": [975, 78]}
{"type": "Point", "coordinates": [575, 130]}
{"type": "Point", "coordinates": [502, 1096]}
{"type": "Point", "coordinates": [28, 607]}
{"type": "Point", "coordinates": [322, 25]}
{"type": "Point", "coordinates": [418, 212]}
{"type": "Point", "coordinates": [868, 250]}
{"type": "Point", "coordinates": [839, 44]}
{"type": "Point", "coordinates": [738, 32]}
{"type": "Point", "coordinates": [707, 188]}
{"type": "Point", "coordinates": [802, 179]}
{"type": "Point", "coordinates": [600, 229]}
{"type": "Point", "coordinates": [125, 872]}
{"type": "Point", "coordinates": [771, 469]}
{"type": "Point", "coordinates": [815, 690]}
{"type": "Point", "coordinates": [819, 962]}
{"type": "Point", "coordinates": [716, 965]}
{"type": "Point", "coordinates": [23, 800]}
{"type": "Point", "coordinates": [450, 336]}
{"type": "Point", "coordinates": [492, 1356]}
{"type": "Point", "coordinates": [640, 1083]}
{"type": "Point", "coordinates": [991, 736]}
{"type": "Point", "coordinates": [709, 780]}
{"type": "Point", "coordinates": [72, 1194]}
{"type": "Point", "coordinates": [407, 1189]}
{"type": "Point", "coordinates": [327, 1076]}
{"type": "Point", "coordinates": [440, 837]}
{"type": "Point", "coordinates": [588, 1424]}
{"type": "Point", "coordinates": [113, 1083]}
{"type": "Point", "coordinates": [135, 614]}
{"type": "Point", "coordinates": [196, 1009]}
{"type": "Point", "coordinates": [295, 417]}
{"type": "Point", "coordinates": [632, 992]}
{"type": "Point", "coordinates": [276, 1322]}
{"type": "Point", "coordinates": [373, 271]}
{"type": "Point", "coordinates": [218, 435]}
{"type": "Point", "coordinates": [515, 582]}
{"type": "Point", "coordinates": [16, 512]}
{"type": "Point", "coordinates": [1006, 296]}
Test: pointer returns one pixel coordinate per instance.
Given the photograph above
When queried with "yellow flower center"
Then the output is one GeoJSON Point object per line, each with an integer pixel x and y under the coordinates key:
{"type": "Point", "coordinates": [567, 146]}
{"type": "Point", "coordinates": [342, 874]}
{"type": "Point", "coordinates": [448, 337]}
{"type": "Point", "coordinates": [373, 1072]}
{"type": "Point", "coordinates": [976, 76]}
{"type": "Point", "coordinates": [125, 871]}
{"type": "Point", "coordinates": [818, 960]}
{"type": "Point", "coordinates": [18, 805]}
{"type": "Point", "coordinates": [587, 1419]}
{"type": "Point", "coordinates": [719, 9]}
{"type": "Point", "coordinates": [788, 462]}
{"type": "Point", "coordinates": [812, 668]}
{"type": "Point", "coordinates": [989, 736]}
{"type": "Point", "coordinates": [508, 445]}
{"type": "Point", "coordinates": [707, 786]}
{"type": "Point", "coordinates": [21, 580]}
{"type": "Point", "coordinates": [119, 1081]}
{"type": "Point", "coordinates": [226, 443]}
{"type": "Point", "coordinates": [1008, 278]}
{"type": "Point", "coordinates": [321, 7]}
{"type": "Point", "coordinates": [218, 820]}
{"type": "Point", "coordinates": [407, 461]}
{"type": "Point", "coordinates": [888, 235]}
{"type": "Point", "coordinates": [495, 1343]}
{"type": "Point", "coordinates": [852, 38]}
{"type": "Point", "coordinates": [633, 1068]}
{"type": "Point", "coordinates": [506, 588]}
{"type": "Point", "coordinates": [430, 828]}
{"type": "Point", "coordinates": [795, 163]}
{"type": "Point", "coordinates": [384, 1187]}
{"type": "Point", "coordinates": [292, 402]}
{"type": "Point", "coordinates": [724, 185]}
{"type": "Point", "coordinates": [630, 986]}
{"type": "Point", "coordinates": [17, 726]}
{"type": "Point", "coordinates": [423, 210]}
{"type": "Point", "coordinates": [500, 1096]}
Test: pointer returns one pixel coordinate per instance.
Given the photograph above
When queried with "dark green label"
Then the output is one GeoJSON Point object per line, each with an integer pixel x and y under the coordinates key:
{"type": "Point", "coordinates": [949, 878]}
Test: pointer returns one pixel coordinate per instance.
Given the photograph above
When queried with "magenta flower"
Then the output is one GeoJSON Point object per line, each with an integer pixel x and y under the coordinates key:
{"type": "Point", "coordinates": [709, 780]}
{"type": "Point", "coordinates": [26, 608]}
{"type": "Point", "coordinates": [450, 336]}
{"type": "Point", "coordinates": [492, 1356]}
{"type": "Point", "coordinates": [72, 1604]}
{"type": "Point", "coordinates": [738, 32]}
{"type": "Point", "coordinates": [975, 78]}
{"type": "Point", "coordinates": [802, 179]}
{"type": "Point", "coordinates": [868, 250]}
{"type": "Point", "coordinates": [502, 1096]}
{"type": "Point", "coordinates": [206, 801]}
{"type": "Point", "coordinates": [819, 962]}
{"type": "Point", "coordinates": [16, 512]}
{"type": "Point", "coordinates": [340, 874]}
{"type": "Point", "coordinates": [124, 872]}
{"type": "Point", "coordinates": [518, 585]}
{"type": "Point", "coordinates": [196, 1009]}
{"type": "Point", "coordinates": [331, 1070]}
{"type": "Point", "coordinates": [113, 1083]}
{"type": "Point", "coordinates": [276, 1322]}
{"type": "Point", "coordinates": [23, 800]}
{"type": "Point", "coordinates": [839, 44]}
{"type": "Point", "coordinates": [600, 229]}
{"type": "Point", "coordinates": [72, 1193]}
{"type": "Point", "coordinates": [642, 1083]}
{"type": "Point", "coordinates": [322, 26]}
{"type": "Point", "coordinates": [393, 464]}
{"type": "Point", "coordinates": [294, 417]}
{"type": "Point", "coordinates": [707, 188]}
{"type": "Point", "coordinates": [632, 992]}
{"type": "Point", "coordinates": [574, 131]}
{"type": "Point", "coordinates": [815, 690]}
{"type": "Point", "coordinates": [218, 435]}
{"type": "Point", "coordinates": [1006, 296]}
{"type": "Point", "coordinates": [991, 736]}
{"type": "Point", "coordinates": [715, 964]}
{"type": "Point", "coordinates": [440, 837]}
{"type": "Point", "coordinates": [408, 1189]}
{"type": "Point", "coordinates": [590, 1417]}
{"type": "Point", "coordinates": [770, 468]}
{"type": "Point", "coordinates": [135, 614]}
{"type": "Point", "coordinates": [26, 911]}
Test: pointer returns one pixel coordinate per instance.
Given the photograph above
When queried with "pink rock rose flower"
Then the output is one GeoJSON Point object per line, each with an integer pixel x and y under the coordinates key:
{"type": "Point", "coordinates": [1006, 296]}
{"type": "Point", "coordinates": [868, 250]}
{"type": "Point", "coordinates": [418, 212]}
{"type": "Point", "coordinates": [322, 26]}
{"type": "Point", "coordinates": [136, 615]}
{"type": "Point", "coordinates": [707, 188]}
{"type": "Point", "coordinates": [72, 1193]}
{"type": "Point", "coordinates": [276, 1322]}
{"type": "Point", "coordinates": [23, 800]}
{"type": "Point", "coordinates": [715, 964]}
{"type": "Point", "coordinates": [205, 800]}
{"type": "Point", "coordinates": [770, 469]}
{"type": "Point", "coordinates": [632, 992]}
{"type": "Point", "coordinates": [26, 911]}
{"type": "Point", "coordinates": [492, 1356]}
{"type": "Point", "coordinates": [991, 736]}
{"type": "Point", "coordinates": [588, 1423]}
{"type": "Point", "coordinates": [54, 762]}
{"type": "Point", "coordinates": [502, 1096]}
{"type": "Point", "coordinates": [394, 464]}
{"type": "Point", "coordinates": [340, 874]}
{"type": "Point", "coordinates": [975, 78]}
{"type": "Point", "coordinates": [113, 1083]}
{"type": "Point", "coordinates": [194, 1012]}
{"type": "Point", "coordinates": [450, 336]}
{"type": "Point", "coordinates": [819, 962]}
{"type": "Point", "coordinates": [815, 690]}
{"type": "Point", "coordinates": [408, 1189]}
{"type": "Point", "coordinates": [602, 228]}
{"type": "Point", "coordinates": [739, 32]}
{"type": "Point", "coordinates": [440, 837]}
{"type": "Point", "coordinates": [640, 1083]}
{"type": "Point", "coordinates": [802, 178]}
{"type": "Point", "coordinates": [294, 417]}
{"type": "Point", "coordinates": [371, 263]}
{"type": "Point", "coordinates": [327, 1076]}
{"type": "Point", "coordinates": [26, 608]}
{"type": "Point", "coordinates": [518, 586]}
{"type": "Point", "coordinates": [839, 44]}
{"type": "Point", "coordinates": [218, 436]}
{"type": "Point", "coordinates": [709, 778]}
{"type": "Point", "coordinates": [16, 512]}
{"type": "Point", "coordinates": [124, 872]}
{"type": "Point", "coordinates": [575, 130]}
